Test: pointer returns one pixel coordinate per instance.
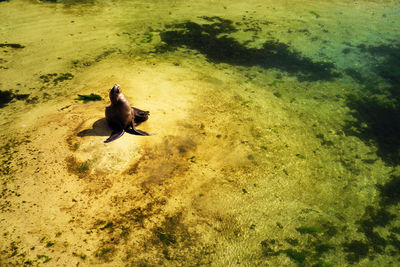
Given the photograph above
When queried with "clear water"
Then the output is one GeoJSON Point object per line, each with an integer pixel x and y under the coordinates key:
{"type": "Point", "coordinates": [276, 133]}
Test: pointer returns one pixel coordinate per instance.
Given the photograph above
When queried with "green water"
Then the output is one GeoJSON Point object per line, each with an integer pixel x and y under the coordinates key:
{"type": "Point", "coordinates": [275, 133]}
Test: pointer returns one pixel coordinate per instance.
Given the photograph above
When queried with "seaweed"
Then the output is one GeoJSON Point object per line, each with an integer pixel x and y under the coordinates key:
{"type": "Point", "coordinates": [300, 156]}
{"type": "Point", "coordinates": [47, 77]}
{"type": "Point", "coordinates": [109, 225]}
{"type": "Point", "coordinates": [373, 218]}
{"type": "Point", "coordinates": [88, 98]}
{"type": "Point", "coordinates": [32, 100]}
{"type": "Point", "coordinates": [12, 45]}
{"type": "Point", "coordinates": [356, 250]}
{"type": "Point", "coordinates": [56, 77]}
{"type": "Point", "coordinates": [49, 244]}
{"type": "Point", "coordinates": [346, 50]}
{"type": "Point", "coordinates": [309, 254]}
{"type": "Point", "coordinates": [355, 75]}
{"type": "Point", "coordinates": [211, 40]}
{"type": "Point", "coordinates": [292, 241]}
{"type": "Point", "coordinates": [165, 237]}
{"type": "Point", "coordinates": [105, 253]}
{"type": "Point", "coordinates": [171, 232]}
{"type": "Point", "coordinates": [148, 37]}
{"type": "Point", "coordinates": [13, 248]}
{"type": "Point", "coordinates": [68, 2]}
{"type": "Point", "coordinates": [268, 246]}
{"type": "Point", "coordinates": [63, 77]}
{"type": "Point", "coordinates": [277, 94]}
{"type": "Point", "coordinates": [76, 167]}
{"type": "Point", "coordinates": [324, 142]}
{"type": "Point", "coordinates": [8, 96]}
{"type": "Point", "coordinates": [315, 14]}
{"type": "Point", "coordinates": [308, 230]}
{"type": "Point", "coordinates": [321, 248]}
{"type": "Point", "coordinates": [7, 152]}
{"type": "Point", "coordinates": [390, 191]}
{"type": "Point", "coordinates": [330, 230]}
{"type": "Point", "coordinates": [84, 167]}
{"type": "Point", "coordinates": [41, 256]}
{"type": "Point", "coordinates": [297, 256]}
{"type": "Point", "coordinates": [395, 230]}
{"type": "Point", "coordinates": [322, 263]}
{"type": "Point", "coordinates": [21, 96]}
{"type": "Point", "coordinates": [5, 97]}
{"type": "Point", "coordinates": [394, 241]}
{"type": "Point", "coordinates": [82, 256]}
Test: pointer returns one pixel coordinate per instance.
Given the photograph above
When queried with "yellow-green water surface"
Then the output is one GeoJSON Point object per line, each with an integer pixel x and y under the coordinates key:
{"type": "Point", "coordinates": [275, 133]}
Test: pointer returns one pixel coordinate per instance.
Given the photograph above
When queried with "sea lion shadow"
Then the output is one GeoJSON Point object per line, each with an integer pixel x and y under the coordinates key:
{"type": "Point", "coordinates": [99, 128]}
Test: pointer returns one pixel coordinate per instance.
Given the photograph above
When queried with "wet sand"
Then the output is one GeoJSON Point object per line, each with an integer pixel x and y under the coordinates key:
{"type": "Point", "coordinates": [249, 163]}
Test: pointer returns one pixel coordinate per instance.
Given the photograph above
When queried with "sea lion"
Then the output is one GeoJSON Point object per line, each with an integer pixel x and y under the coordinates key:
{"type": "Point", "coordinates": [121, 117]}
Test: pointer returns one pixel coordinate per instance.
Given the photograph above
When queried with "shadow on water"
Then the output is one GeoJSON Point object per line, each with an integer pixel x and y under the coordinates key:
{"type": "Point", "coordinates": [212, 41]}
{"type": "Point", "coordinates": [99, 128]}
{"type": "Point", "coordinates": [377, 106]}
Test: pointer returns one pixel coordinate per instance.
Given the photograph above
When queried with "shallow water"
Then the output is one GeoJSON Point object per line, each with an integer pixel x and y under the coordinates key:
{"type": "Point", "coordinates": [276, 133]}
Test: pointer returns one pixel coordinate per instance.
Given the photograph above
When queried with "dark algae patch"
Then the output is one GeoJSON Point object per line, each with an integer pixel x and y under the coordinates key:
{"type": "Point", "coordinates": [48, 77]}
{"type": "Point", "coordinates": [306, 250]}
{"type": "Point", "coordinates": [212, 40]}
{"type": "Point", "coordinates": [308, 230]}
{"type": "Point", "coordinates": [88, 98]}
{"type": "Point", "coordinates": [356, 75]}
{"type": "Point", "coordinates": [82, 256]}
{"type": "Point", "coordinates": [5, 97]}
{"type": "Point", "coordinates": [8, 96]}
{"type": "Point", "coordinates": [79, 168]}
{"type": "Point", "coordinates": [63, 77]}
{"type": "Point", "coordinates": [67, 2]}
{"type": "Point", "coordinates": [171, 230]}
{"type": "Point", "coordinates": [374, 220]}
{"type": "Point", "coordinates": [105, 253]}
{"type": "Point", "coordinates": [44, 258]}
{"type": "Point", "coordinates": [390, 191]}
{"type": "Point", "coordinates": [16, 46]}
{"type": "Point", "coordinates": [297, 256]}
{"type": "Point", "coordinates": [356, 250]}
{"type": "Point", "coordinates": [56, 77]}
{"type": "Point", "coordinates": [109, 225]}
{"type": "Point", "coordinates": [49, 244]}
{"type": "Point", "coordinates": [315, 14]}
{"type": "Point", "coordinates": [376, 107]}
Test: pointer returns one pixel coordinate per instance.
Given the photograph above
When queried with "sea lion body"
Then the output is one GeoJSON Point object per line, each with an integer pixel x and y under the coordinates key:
{"type": "Point", "coordinates": [121, 116]}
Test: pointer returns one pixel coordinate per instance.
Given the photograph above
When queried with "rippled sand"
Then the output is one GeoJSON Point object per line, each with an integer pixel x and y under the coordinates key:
{"type": "Point", "coordinates": [249, 162]}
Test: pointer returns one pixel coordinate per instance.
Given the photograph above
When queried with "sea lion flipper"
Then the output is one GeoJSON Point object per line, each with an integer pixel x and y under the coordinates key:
{"type": "Point", "coordinates": [133, 130]}
{"type": "Point", "coordinates": [140, 115]}
{"type": "Point", "coordinates": [114, 135]}
{"type": "Point", "coordinates": [136, 132]}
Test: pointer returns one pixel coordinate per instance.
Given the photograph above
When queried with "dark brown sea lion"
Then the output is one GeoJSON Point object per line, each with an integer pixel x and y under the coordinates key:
{"type": "Point", "coordinates": [121, 117]}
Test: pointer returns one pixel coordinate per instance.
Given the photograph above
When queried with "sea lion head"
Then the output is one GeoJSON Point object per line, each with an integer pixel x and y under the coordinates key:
{"type": "Point", "coordinates": [115, 93]}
